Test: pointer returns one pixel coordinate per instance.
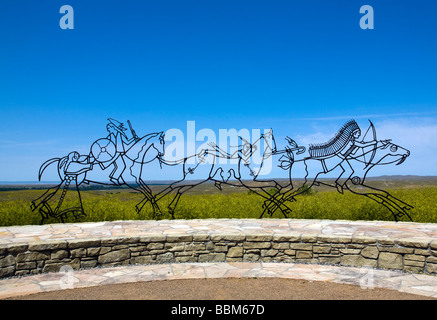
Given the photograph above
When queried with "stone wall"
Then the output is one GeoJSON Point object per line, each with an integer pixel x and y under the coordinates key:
{"type": "Point", "coordinates": [50, 256]}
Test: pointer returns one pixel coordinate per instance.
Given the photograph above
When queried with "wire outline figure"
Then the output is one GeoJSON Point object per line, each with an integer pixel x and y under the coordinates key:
{"type": "Point", "coordinates": [76, 169]}
{"type": "Point", "coordinates": [315, 166]}
{"type": "Point", "coordinates": [129, 155]}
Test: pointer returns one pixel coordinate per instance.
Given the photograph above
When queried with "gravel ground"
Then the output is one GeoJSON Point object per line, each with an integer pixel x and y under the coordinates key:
{"type": "Point", "coordinates": [226, 289]}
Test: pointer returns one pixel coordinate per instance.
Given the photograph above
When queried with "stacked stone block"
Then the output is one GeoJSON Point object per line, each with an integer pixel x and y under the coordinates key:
{"type": "Point", "coordinates": [405, 254]}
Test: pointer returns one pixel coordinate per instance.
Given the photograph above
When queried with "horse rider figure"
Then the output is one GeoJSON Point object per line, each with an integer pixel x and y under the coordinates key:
{"type": "Point", "coordinates": [69, 168]}
{"type": "Point", "coordinates": [122, 143]}
{"type": "Point", "coordinates": [339, 150]}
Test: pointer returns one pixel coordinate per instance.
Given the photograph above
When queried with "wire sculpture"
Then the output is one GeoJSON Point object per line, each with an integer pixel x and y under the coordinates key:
{"type": "Point", "coordinates": [355, 159]}
{"type": "Point", "coordinates": [336, 144]}
{"type": "Point", "coordinates": [116, 151]}
{"type": "Point", "coordinates": [127, 156]}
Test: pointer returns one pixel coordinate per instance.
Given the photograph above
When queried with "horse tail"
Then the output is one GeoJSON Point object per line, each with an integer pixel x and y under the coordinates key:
{"type": "Point", "coordinates": [47, 164]}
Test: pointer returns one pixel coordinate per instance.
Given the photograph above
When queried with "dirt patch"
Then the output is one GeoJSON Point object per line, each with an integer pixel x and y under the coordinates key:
{"type": "Point", "coordinates": [226, 289]}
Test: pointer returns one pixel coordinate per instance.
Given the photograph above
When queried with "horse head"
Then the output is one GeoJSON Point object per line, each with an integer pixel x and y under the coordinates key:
{"type": "Point", "coordinates": [62, 166]}
{"type": "Point", "coordinates": [388, 152]}
{"type": "Point", "coordinates": [156, 141]}
{"type": "Point", "coordinates": [269, 137]}
{"type": "Point", "coordinates": [269, 143]}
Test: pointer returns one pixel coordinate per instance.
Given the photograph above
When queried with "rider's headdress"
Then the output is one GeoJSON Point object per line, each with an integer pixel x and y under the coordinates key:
{"type": "Point", "coordinates": [117, 124]}
{"type": "Point", "coordinates": [336, 144]}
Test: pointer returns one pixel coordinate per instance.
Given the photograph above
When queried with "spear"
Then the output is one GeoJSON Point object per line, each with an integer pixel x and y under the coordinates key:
{"type": "Point", "coordinates": [132, 130]}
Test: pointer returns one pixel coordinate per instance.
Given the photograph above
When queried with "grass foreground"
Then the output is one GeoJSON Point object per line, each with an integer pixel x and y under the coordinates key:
{"type": "Point", "coordinates": [119, 204]}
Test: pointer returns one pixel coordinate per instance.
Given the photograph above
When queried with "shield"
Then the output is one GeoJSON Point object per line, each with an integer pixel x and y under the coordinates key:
{"type": "Point", "coordinates": [103, 150]}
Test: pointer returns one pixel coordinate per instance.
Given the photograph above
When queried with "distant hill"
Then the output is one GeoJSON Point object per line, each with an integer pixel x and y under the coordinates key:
{"type": "Point", "coordinates": [392, 181]}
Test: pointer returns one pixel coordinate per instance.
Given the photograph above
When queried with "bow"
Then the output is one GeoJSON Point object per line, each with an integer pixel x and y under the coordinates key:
{"type": "Point", "coordinates": [374, 139]}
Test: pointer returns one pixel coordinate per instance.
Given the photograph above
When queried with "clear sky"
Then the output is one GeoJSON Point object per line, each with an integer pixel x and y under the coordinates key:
{"type": "Point", "coordinates": [302, 68]}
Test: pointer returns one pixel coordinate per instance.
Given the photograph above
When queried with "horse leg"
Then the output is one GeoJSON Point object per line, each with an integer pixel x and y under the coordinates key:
{"type": "Point", "coordinates": [82, 211]}
{"type": "Point", "coordinates": [144, 186]}
{"type": "Point", "coordinates": [294, 188]}
{"type": "Point", "coordinates": [46, 196]}
{"type": "Point", "coordinates": [144, 189]}
{"type": "Point", "coordinates": [287, 194]}
{"type": "Point", "coordinates": [285, 210]}
{"type": "Point", "coordinates": [278, 205]}
{"type": "Point", "coordinates": [278, 200]}
{"type": "Point", "coordinates": [271, 204]}
{"type": "Point", "coordinates": [262, 189]}
{"type": "Point", "coordinates": [46, 211]}
{"type": "Point", "coordinates": [397, 211]}
{"type": "Point", "coordinates": [148, 196]}
{"type": "Point", "coordinates": [174, 202]}
{"type": "Point", "coordinates": [172, 206]}
{"type": "Point", "coordinates": [384, 198]}
{"type": "Point", "coordinates": [155, 207]}
{"type": "Point", "coordinates": [139, 206]}
{"type": "Point", "coordinates": [397, 207]}
{"type": "Point", "coordinates": [403, 205]}
{"type": "Point", "coordinates": [274, 203]}
{"type": "Point", "coordinates": [270, 199]}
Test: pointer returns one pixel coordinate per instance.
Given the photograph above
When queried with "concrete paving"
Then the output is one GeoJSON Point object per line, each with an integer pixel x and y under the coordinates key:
{"type": "Point", "coordinates": [70, 231]}
{"type": "Point", "coordinates": [366, 278]}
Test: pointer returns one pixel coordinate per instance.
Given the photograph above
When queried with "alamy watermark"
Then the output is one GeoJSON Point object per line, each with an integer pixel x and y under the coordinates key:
{"type": "Point", "coordinates": [67, 281]}
{"type": "Point", "coordinates": [367, 20]}
{"type": "Point", "coordinates": [67, 20]}
{"type": "Point", "coordinates": [225, 148]}
{"type": "Point", "coordinates": [367, 280]}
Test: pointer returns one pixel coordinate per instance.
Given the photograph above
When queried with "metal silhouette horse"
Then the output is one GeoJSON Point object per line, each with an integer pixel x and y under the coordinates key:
{"type": "Point", "coordinates": [124, 157]}
{"type": "Point", "coordinates": [355, 159]}
{"type": "Point", "coordinates": [207, 166]}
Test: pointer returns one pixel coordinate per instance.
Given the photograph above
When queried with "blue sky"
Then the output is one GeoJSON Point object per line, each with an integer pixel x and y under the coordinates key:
{"type": "Point", "coordinates": [302, 68]}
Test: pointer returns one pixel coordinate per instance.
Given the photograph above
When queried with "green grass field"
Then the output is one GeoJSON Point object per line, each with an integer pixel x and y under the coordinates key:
{"type": "Point", "coordinates": [207, 202]}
